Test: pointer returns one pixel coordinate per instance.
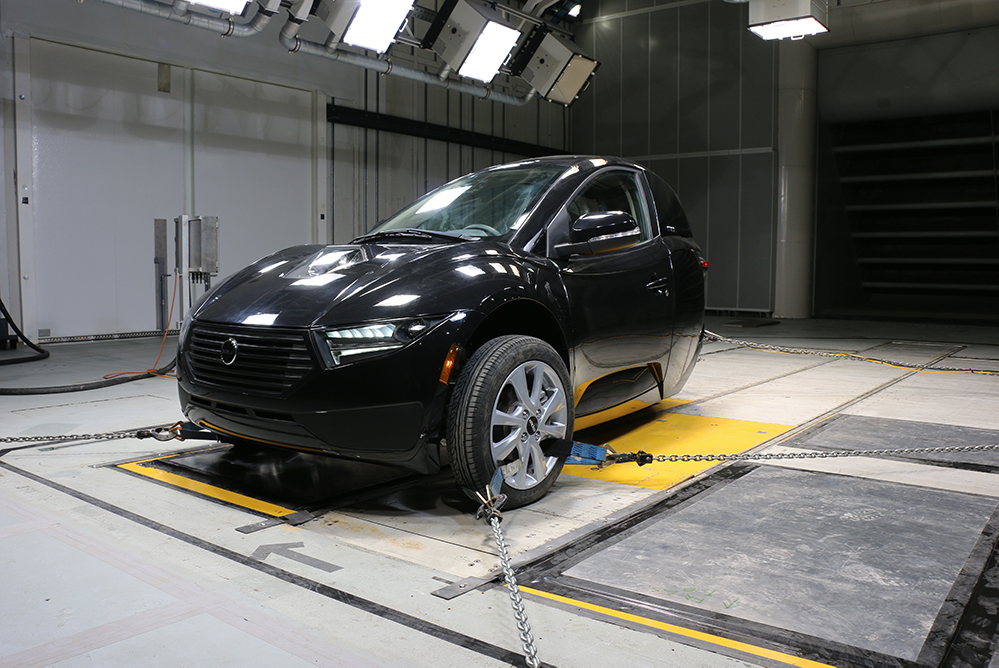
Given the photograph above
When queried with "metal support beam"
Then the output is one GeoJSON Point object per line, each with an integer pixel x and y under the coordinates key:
{"type": "Point", "coordinates": [405, 126]}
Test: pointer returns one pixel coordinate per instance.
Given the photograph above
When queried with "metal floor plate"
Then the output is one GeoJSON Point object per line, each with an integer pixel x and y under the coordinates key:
{"type": "Point", "coordinates": [856, 432]}
{"type": "Point", "coordinates": [843, 559]}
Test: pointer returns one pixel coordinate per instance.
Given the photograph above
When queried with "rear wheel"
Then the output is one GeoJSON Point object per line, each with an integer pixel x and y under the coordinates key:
{"type": "Point", "coordinates": [507, 410]}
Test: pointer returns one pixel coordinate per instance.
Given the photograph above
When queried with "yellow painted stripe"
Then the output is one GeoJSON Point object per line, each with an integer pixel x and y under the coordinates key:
{"type": "Point", "coordinates": [674, 434]}
{"type": "Point", "coordinates": [679, 630]}
{"type": "Point", "coordinates": [182, 453]}
{"type": "Point", "coordinates": [234, 498]}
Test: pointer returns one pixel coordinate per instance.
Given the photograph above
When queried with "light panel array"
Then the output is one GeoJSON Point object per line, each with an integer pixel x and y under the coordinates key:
{"type": "Point", "coordinates": [230, 6]}
{"type": "Point", "coordinates": [368, 24]}
{"type": "Point", "coordinates": [553, 66]}
{"type": "Point", "coordinates": [778, 19]}
{"type": "Point", "coordinates": [471, 36]}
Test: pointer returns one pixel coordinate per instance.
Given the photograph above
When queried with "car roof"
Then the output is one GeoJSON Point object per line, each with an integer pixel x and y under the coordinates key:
{"type": "Point", "coordinates": [585, 163]}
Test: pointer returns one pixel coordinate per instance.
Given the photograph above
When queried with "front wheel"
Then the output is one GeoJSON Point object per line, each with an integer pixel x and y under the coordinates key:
{"type": "Point", "coordinates": [508, 408]}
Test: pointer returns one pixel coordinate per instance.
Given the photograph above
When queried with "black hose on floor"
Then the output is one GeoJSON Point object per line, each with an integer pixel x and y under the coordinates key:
{"type": "Point", "coordinates": [59, 389]}
{"type": "Point", "coordinates": [94, 385]}
{"type": "Point", "coordinates": [42, 353]}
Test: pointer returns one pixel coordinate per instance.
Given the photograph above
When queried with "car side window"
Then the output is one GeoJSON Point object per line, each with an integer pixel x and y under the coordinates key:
{"type": "Point", "coordinates": [614, 191]}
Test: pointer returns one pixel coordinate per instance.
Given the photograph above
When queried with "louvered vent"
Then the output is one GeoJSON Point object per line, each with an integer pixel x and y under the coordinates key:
{"type": "Point", "coordinates": [268, 362]}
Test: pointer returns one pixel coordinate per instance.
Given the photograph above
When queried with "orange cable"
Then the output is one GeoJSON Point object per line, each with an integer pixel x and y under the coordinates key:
{"type": "Point", "coordinates": [152, 371]}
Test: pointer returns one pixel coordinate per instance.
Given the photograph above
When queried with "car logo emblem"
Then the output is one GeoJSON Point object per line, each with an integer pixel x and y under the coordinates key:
{"type": "Point", "coordinates": [228, 352]}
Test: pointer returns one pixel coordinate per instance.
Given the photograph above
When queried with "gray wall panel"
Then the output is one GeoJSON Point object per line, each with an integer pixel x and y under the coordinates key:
{"type": "Point", "coordinates": [584, 109]}
{"type": "Point", "coordinates": [557, 124]}
{"type": "Point", "coordinates": [724, 231]}
{"type": "Point", "coordinates": [694, 70]}
{"type": "Point", "coordinates": [692, 186]}
{"type": "Point", "coordinates": [668, 170]}
{"type": "Point", "coordinates": [521, 123]}
{"type": "Point", "coordinates": [756, 238]}
{"type": "Point", "coordinates": [940, 74]}
{"type": "Point", "coordinates": [635, 87]}
{"type": "Point", "coordinates": [727, 20]}
{"type": "Point", "coordinates": [437, 160]}
{"type": "Point", "coordinates": [348, 183]}
{"type": "Point", "coordinates": [712, 88]}
{"type": "Point", "coordinates": [611, 6]}
{"type": "Point", "coordinates": [606, 88]}
{"type": "Point", "coordinates": [663, 82]}
{"type": "Point", "coordinates": [759, 59]}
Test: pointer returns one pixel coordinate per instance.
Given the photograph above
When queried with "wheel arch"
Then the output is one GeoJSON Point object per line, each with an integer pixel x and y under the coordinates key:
{"type": "Point", "coordinates": [525, 317]}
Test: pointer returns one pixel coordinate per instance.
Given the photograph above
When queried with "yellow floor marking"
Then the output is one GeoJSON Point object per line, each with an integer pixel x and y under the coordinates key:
{"type": "Point", "coordinates": [234, 498]}
{"type": "Point", "coordinates": [679, 630]}
{"type": "Point", "coordinates": [678, 434]}
{"type": "Point", "coordinates": [627, 408]}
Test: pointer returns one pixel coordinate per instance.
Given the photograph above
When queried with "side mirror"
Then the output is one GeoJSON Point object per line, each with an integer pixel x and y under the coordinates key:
{"type": "Point", "coordinates": [600, 232]}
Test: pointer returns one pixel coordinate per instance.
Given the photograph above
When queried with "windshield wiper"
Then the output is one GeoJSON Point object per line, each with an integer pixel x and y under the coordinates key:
{"type": "Point", "coordinates": [413, 233]}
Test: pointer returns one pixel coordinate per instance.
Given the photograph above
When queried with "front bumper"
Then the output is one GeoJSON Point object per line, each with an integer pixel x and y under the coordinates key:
{"type": "Point", "coordinates": [387, 409]}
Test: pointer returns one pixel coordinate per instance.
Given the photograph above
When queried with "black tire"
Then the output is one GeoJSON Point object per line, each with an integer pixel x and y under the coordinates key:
{"type": "Point", "coordinates": [510, 400]}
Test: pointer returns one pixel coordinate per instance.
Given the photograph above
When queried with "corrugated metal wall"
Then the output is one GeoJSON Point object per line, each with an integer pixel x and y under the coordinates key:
{"type": "Point", "coordinates": [687, 90]}
{"type": "Point", "coordinates": [376, 173]}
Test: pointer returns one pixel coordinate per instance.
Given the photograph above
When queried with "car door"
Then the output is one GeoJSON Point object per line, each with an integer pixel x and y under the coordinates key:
{"type": "Point", "coordinates": [621, 303]}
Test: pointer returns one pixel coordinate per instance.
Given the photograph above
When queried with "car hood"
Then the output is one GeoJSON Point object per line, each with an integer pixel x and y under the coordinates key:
{"type": "Point", "coordinates": [317, 286]}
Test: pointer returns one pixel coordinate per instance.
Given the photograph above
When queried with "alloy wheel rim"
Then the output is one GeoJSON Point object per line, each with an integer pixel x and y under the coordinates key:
{"type": "Point", "coordinates": [530, 408]}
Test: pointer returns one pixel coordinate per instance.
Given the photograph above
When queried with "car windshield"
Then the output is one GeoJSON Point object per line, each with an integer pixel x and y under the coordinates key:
{"type": "Point", "coordinates": [491, 204]}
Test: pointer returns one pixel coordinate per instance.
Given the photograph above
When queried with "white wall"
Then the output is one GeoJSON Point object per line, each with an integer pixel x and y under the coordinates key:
{"type": "Point", "coordinates": [109, 152]}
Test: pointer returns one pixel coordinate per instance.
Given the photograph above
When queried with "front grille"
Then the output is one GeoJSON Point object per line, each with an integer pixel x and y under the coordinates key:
{"type": "Point", "coordinates": [268, 362]}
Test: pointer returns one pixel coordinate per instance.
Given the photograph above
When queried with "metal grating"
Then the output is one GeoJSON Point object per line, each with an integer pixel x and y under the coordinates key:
{"type": "Point", "coordinates": [269, 362]}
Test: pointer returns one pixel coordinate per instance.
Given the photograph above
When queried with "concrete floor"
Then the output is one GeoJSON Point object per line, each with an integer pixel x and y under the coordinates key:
{"type": "Point", "coordinates": [121, 552]}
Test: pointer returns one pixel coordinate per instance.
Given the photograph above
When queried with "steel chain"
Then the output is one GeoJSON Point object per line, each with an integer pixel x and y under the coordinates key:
{"type": "Point", "coordinates": [711, 336]}
{"type": "Point", "coordinates": [159, 433]}
{"type": "Point", "coordinates": [69, 437]}
{"type": "Point", "coordinates": [516, 599]}
{"type": "Point", "coordinates": [813, 454]}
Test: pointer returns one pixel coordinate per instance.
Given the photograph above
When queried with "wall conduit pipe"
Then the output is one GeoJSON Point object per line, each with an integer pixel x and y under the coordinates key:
{"type": "Point", "coordinates": [179, 13]}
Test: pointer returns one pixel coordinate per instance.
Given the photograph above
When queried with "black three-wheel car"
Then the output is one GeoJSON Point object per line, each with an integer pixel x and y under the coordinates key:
{"type": "Point", "coordinates": [477, 326]}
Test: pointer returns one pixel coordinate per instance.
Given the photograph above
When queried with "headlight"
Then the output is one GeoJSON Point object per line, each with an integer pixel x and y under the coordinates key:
{"type": "Point", "coordinates": [348, 344]}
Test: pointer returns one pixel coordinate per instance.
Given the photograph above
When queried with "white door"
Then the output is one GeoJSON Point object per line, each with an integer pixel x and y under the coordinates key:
{"type": "Point", "coordinates": [111, 152]}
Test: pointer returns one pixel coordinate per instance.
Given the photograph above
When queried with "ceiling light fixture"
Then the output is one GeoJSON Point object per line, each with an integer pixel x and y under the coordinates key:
{"type": "Point", "coordinates": [368, 24]}
{"type": "Point", "coordinates": [777, 19]}
{"type": "Point", "coordinates": [554, 66]}
{"type": "Point", "coordinates": [472, 38]}
{"type": "Point", "coordinates": [230, 6]}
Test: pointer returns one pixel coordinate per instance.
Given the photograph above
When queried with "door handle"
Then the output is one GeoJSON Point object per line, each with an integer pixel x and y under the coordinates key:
{"type": "Point", "coordinates": [658, 284]}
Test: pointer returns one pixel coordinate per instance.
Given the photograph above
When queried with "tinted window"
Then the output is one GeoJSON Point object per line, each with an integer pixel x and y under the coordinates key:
{"type": "Point", "coordinates": [485, 204]}
{"type": "Point", "coordinates": [614, 191]}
